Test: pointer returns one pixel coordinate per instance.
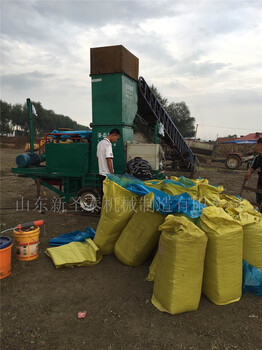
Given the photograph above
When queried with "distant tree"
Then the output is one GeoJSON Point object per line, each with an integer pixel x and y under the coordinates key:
{"type": "Point", "coordinates": [5, 125]}
{"type": "Point", "coordinates": [164, 101]}
{"type": "Point", "coordinates": [232, 136]}
{"type": "Point", "coordinates": [16, 116]}
{"type": "Point", "coordinates": [19, 117]}
{"type": "Point", "coordinates": [179, 113]}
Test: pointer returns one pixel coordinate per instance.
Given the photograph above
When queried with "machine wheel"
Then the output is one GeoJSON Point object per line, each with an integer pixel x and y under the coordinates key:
{"type": "Point", "coordinates": [89, 199]}
{"type": "Point", "coordinates": [233, 162]}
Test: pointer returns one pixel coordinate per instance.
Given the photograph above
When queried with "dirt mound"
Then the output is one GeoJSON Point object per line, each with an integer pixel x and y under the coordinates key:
{"type": "Point", "coordinates": [15, 141]}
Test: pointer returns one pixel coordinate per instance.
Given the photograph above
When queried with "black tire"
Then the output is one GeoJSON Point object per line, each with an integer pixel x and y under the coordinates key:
{"type": "Point", "coordinates": [233, 162]}
{"type": "Point", "coordinates": [89, 200]}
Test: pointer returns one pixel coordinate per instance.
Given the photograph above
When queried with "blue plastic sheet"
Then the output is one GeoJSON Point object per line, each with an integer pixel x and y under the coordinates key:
{"type": "Point", "coordinates": [166, 204]}
{"type": "Point", "coordinates": [74, 236]}
{"type": "Point", "coordinates": [184, 182]}
{"type": "Point", "coordinates": [84, 134]}
{"type": "Point", "coordinates": [124, 180]}
{"type": "Point", "coordinates": [252, 279]}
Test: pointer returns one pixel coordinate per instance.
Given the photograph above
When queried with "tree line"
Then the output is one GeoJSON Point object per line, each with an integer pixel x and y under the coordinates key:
{"type": "Point", "coordinates": [179, 113]}
{"type": "Point", "coordinates": [15, 117]}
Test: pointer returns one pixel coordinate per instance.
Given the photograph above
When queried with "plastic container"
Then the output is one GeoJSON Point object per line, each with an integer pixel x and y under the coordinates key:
{"type": "Point", "coordinates": [5, 256]}
{"type": "Point", "coordinates": [26, 243]}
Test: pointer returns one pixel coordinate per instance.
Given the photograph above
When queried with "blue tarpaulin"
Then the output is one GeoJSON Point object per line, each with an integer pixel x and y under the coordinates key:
{"type": "Point", "coordinates": [84, 134]}
{"type": "Point", "coordinates": [241, 142]}
{"type": "Point", "coordinates": [74, 236]}
{"type": "Point", "coordinates": [184, 182]}
{"type": "Point", "coordinates": [124, 180]}
{"type": "Point", "coordinates": [252, 279]}
{"type": "Point", "coordinates": [166, 204]}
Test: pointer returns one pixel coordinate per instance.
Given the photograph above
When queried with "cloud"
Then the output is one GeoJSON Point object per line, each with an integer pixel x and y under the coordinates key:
{"type": "Point", "coordinates": [198, 69]}
{"type": "Point", "coordinates": [25, 80]}
{"type": "Point", "coordinates": [206, 53]}
{"type": "Point", "coordinates": [35, 20]}
{"type": "Point", "coordinates": [237, 97]}
{"type": "Point", "coordinates": [96, 13]}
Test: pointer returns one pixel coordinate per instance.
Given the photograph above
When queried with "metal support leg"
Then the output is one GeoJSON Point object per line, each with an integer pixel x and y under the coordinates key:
{"type": "Point", "coordinates": [38, 186]}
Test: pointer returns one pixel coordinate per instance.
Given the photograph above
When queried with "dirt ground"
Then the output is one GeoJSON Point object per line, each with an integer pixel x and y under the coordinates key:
{"type": "Point", "coordinates": [39, 303]}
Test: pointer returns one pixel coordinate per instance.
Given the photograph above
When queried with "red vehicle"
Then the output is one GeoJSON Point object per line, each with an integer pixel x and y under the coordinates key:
{"type": "Point", "coordinates": [235, 160]}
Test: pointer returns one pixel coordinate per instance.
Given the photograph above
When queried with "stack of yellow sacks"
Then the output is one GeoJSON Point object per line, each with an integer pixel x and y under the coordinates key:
{"type": "Point", "coordinates": [234, 232]}
{"type": "Point", "coordinates": [228, 230]}
{"type": "Point", "coordinates": [128, 227]}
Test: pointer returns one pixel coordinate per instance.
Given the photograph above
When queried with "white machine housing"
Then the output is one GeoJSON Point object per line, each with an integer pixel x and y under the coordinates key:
{"type": "Point", "coordinates": [151, 152]}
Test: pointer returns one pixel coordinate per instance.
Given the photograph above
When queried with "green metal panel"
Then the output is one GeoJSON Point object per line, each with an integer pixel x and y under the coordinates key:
{"type": "Point", "coordinates": [70, 159]}
{"type": "Point", "coordinates": [114, 103]}
{"type": "Point", "coordinates": [106, 99]}
{"type": "Point", "coordinates": [31, 123]}
{"type": "Point", "coordinates": [129, 100]}
{"type": "Point", "coordinates": [114, 99]}
{"type": "Point", "coordinates": [35, 171]}
{"type": "Point", "coordinates": [72, 185]}
{"type": "Point", "coordinates": [90, 180]}
{"type": "Point", "coordinates": [98, 134]}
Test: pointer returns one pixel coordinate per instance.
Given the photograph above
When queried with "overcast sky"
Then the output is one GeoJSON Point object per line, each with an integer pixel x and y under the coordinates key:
{"type": "Point", "coordinates": [207, 53]}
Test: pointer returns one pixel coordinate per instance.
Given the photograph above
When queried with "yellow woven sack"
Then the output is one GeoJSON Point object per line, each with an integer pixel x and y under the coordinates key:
{"type": "Point", "coordinates": [180, 263]}
{"type": "Point", "coordinates": [175, 178]}
{"type": "Point", "coordinates": [117, 209]}
{"type": "Point", "coordinates": [236, 203]}
{"type": "Point", "coordinates": [158, 184]}
{"type": "Point", "coordinates": [251, 220]}
{"type": "Point", "coordinates": [241, 210]}
{"type": "Point", "coordinates": [174, 189]}
{"type": "Point", "coordinates": [200, 181]}
{"type": "Point", "coordinates": [209, 194]}
{"type": "Point", "coordinates": [252, 245]}
{"type": "Point", "coordinates": [75, 254]}
{"type": "Point", "coordinates": [152, 269]}
{"type": "Point", "coordinates": [222, 282]}
{"type": "Point", "coordinates": [196, 181]}
{"type": "Point", "coordinates": [202, 190]}
{"type": "Point", "coordinates": [140, 236]}
{"type": "Point", "coordinates": [245, 216]}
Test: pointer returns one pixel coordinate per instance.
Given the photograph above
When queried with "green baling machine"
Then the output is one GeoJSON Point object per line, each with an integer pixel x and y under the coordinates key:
{"type": "Point", "coordinates": [68, 166]}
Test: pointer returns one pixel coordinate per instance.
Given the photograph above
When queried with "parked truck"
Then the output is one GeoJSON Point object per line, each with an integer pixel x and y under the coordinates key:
{"type": "Point", "coordinates": [232, 154]}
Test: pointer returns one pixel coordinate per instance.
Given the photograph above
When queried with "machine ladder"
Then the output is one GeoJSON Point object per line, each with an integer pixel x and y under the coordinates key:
{"type": "Point", "coordinates": [148, 105]}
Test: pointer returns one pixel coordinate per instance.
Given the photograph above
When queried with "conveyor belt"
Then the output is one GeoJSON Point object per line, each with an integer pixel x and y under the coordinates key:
{"type": "Point", "coordinates": [150, 108]}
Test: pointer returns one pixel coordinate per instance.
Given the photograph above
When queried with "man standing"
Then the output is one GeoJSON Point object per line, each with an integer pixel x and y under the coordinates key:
{"type": "Point", "coordinates": [105, 156]}
{"type": "Point", "coordinates": [257, 165]}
